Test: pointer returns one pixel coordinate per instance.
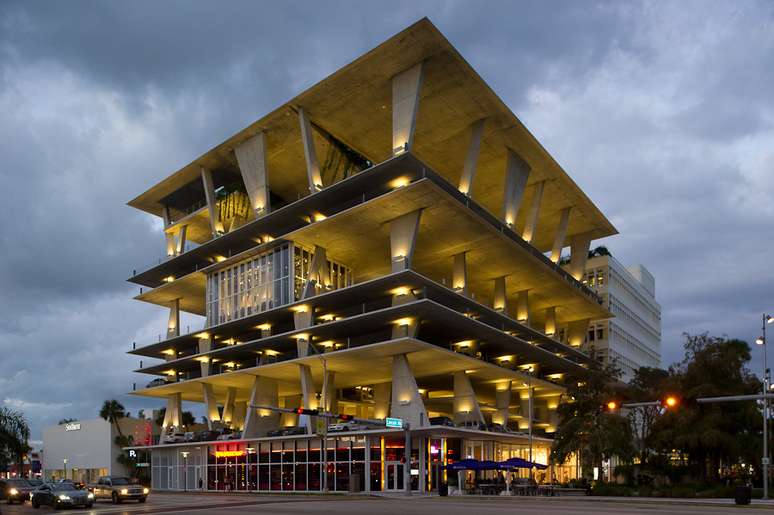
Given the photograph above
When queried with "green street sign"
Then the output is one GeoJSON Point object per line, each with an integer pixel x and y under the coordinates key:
{"type": "Point", "coordinates": [394, 422]}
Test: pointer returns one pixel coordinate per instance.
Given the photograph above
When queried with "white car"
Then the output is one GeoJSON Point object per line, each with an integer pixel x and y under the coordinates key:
{"type": "Point", "coordinates": [173, 438]}
{"type": "Point", "coordinates": [346, 426]}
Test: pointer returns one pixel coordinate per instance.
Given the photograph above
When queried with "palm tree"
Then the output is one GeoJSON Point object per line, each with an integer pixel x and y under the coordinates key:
{"type": "Point", "coordinates": [14, 435]}
{"type": "Point", "coordinates": [113, 411]}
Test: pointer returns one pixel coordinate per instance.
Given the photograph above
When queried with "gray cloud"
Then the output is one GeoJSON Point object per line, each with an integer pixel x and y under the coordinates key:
{"type": "Point", "coordinates": [661, 111]}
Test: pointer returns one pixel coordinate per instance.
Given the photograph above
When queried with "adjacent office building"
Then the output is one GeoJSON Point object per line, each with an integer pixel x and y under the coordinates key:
{"type": "Point", "coordinates": [385, 244]}
{"type": "Point", "coordinates": [632, 339]}
{"type": "Point", "coordinates": [84, 450]}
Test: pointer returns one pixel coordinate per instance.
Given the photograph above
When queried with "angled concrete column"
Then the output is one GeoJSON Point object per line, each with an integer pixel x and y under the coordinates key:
{"type": "Point", "coordinates": [251, 158]}
{"type": "Point", "coordinates": [258, 422]}
{"type": "Point", "coordinates": [212, 203]}
{"type": "Point", "coordinates": [576, 332]}
{"type": "Point", "coordinates": [210, 405]}
{"type": "Point", "coordinates": [302, 319]}
{"type": "Point", "coordinates": [516, 175]}
{"type": "Point", "coordinates": [168, 236]}
{"type": "Point", "coordinates": [579, 253]}
{"type": "Point", "coordinates": [382, 393]}
{"type": "Point", "coordinates": [173, 325]}
{"type": "Point", "coordinates": [466, 407]}
{"type": "Point", "coordinates": [471, 161]}
{"type": "Point", "coordinates": [550, 328]}
{"type": "Point", "coordinates": [291, 402]}
{"type": "Point", "coordinates": [522, 307]}
{"type": "Point", "coordinates": [503, 403]}
{"type": "Point", "coordinates": [180, 240]}
{"type": "Point", "coordinates": [405, 328]}
{"type": "Point", "coordinates": [561, 234]}
{"type": "Point", "coordinates": [406, 401]}
{"type": "Point", "coordinates": [527, 416]}
{"type": "Point", "coordinates": [310, 154]}
{"type": "Point", "coordinates": [403, 238]}
{"type": "Point", "coordinates": [319, 273]}
{"type": "Point", "coordinates": [402, 296]}
{"type": "Point", "coordinates": [228, 407]}
{"type": "Point", "coordinates": [240, 411]}
{"type": "Point", "coordinates": [406, 88]}
{"type": "Point", "coordinates": [173, 417]}
{"type": "Point", "coordinates": [329, 392]}
{"type": "Point", "coordinates": [308, 395]}
{"type": "Point", "coordinates": [499, 302]}
{"type": "Point", "coordinates": [530, 225]}
{"type": "Point", "coordinates": [460, 274]}
{"type": "Point", "coordinates": [205, 345]}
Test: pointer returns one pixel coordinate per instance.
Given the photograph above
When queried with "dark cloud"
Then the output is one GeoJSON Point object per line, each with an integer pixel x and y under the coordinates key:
{"type": "Point", "coordinates": [660, 111]}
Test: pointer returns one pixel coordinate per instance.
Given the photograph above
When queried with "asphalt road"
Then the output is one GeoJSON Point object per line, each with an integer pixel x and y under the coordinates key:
{"type": "Point", "coordinates": [291, 505]}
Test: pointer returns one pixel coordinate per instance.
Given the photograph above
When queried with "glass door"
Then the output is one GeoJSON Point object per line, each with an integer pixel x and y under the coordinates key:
{"type": "Point", "coordinates": [393, 476]}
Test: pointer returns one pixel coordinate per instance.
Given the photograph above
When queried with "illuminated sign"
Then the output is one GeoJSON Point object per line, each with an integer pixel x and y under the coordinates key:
{"type": "Point", "coordinates": [73, 426]}
{"type": "Point", "coordinates": [132, 453]}
{"type": "Point", "coordinates": [394, 422]}
{"type": "Point", "coordinates": [229, 454]}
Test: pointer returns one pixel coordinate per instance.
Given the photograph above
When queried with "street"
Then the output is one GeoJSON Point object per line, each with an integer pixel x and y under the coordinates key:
{"type": "Point", "coordinates": [301, 504]}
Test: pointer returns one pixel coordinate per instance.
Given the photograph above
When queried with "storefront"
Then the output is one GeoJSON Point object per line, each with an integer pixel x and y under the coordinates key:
{"type": "Point", "coordinates": [345, 463]}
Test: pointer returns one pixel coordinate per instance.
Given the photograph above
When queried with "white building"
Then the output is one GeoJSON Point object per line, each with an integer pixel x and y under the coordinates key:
{"type": "Point", "coordinates": [633, 338]}
{"type": "Point", "coordinates": [85, 449]}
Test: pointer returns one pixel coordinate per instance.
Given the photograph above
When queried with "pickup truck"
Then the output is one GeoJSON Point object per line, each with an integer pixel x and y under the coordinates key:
{"type": "Point", "coordinates": [118, 489]}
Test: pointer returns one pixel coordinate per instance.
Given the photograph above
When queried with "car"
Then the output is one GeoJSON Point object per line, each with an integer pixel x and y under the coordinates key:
{"type": "Point", "coordinates": [15, 490]}
{"type": "Point", "coordinates": [295, 430]}
{"type": "Point", "coordinates": [346, 426]}
{"type": "Point", "coordinates": [472, 424]}
{"type": "Point", "coordinates": [441, 421]}
{"type": "Point", "coordinates": [119, 489]}
{"type": "Point", "coordinates": [156, 382]}
{"type": "Point", "coordinates": [276, 432]}
{"type": "Point", "coordinates": [207, 435]}
{"type": "Point", "coordinates": [60, 495]}
{"type": "Point", "coordinates": [190, 436]}
{"type": "Point", "coordinates": [173, 437]}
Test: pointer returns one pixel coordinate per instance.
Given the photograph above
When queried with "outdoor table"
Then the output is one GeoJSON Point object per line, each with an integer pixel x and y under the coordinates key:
{"type": "Point", "coordinates": [491, 488]}
{"type": "Point", "coordinates": [546, 490]}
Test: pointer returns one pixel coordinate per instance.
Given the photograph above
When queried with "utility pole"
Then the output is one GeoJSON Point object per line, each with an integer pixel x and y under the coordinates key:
{"type": "Point", "coordinates": [407, 455]}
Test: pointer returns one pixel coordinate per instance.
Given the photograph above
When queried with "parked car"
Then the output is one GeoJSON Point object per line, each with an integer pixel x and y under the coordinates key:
{"type": "Point", "coordinates": [441, 421]}
{"type": "Point", "coordinates": [15, 490]}
{"type": "Point", "coordinates": [288, 431]}
{"type": "Point", "coordinates": [173, 437]}
{"type": "Point", "coordinates": [472, 424]}
{"type": "Point", "coordinates": [191, 436]}
{"type": "Point", "coordinates": [119, 489]}
{"type": "Point", "coordinates": [60, 495]}
{"type": "Point", "coordinates": [346, 426]}
{"type": "Point", "coordinates": [157, 382]}
{"type": "Point", "coordinates": [207, 435]}
{"type": "Point", "coordinates": [276, 432]}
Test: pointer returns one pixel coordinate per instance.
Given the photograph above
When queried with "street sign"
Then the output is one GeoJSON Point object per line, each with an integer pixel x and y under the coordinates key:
{"type": "Point", "coordinates": [765, 461]}
{"type": "Point", "coordinates": [142, 464]}
{"type": "Point", "coordinates": [394, 422]}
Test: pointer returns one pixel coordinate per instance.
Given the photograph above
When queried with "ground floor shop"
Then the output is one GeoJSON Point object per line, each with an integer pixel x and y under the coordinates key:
{"type": "Point", "coordinates": [341, 463]}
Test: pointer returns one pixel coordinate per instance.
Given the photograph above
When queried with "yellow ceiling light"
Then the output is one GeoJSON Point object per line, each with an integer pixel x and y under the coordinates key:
{"type": "Point", "coordinates": [229, 364]}
{"type": "Point", "coordinates": [464, 343]}
{"type": "Point", "coordinates": [318, 217]}
{"type": "Point", "coordinates": [270, 352]}
{"type": "Point", "coordinates": [328, 317]}
{"type": "Point", "coordinates": [263, 327]}
{"type": "Point", "coordinates": [506, 359]}
{"type": "Point", "coordinates": [169, 278]}
{"type": "Point", "coordinates": [400, 291]}
{"type": "Point", "coordinates": [399, 182]}
{"type": "Point", "coordinates": [301, 308]}
{"type": "Point", "coordinates": [170, 372]}
{"type": "Point", "coordinates": [203, 359]}
{"type": "Point", "coordinates": [202, 335]}
{"type": "Point", "coordinates": [300, 336]}
{"type": "Point", "coordinates": [169, 352]}
{"type": "Point", "coordinates": [404, 321]}
{"type": "Point", "coordinates": [219, 258]}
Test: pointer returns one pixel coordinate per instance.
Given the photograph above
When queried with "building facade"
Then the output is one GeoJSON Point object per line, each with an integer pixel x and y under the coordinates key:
{"type": "Point", "coordinates": [385, 244]}
{"type": "Point", "coordinates": [84, 450]}
{"type": "Point", "coordinates": [632, 339]}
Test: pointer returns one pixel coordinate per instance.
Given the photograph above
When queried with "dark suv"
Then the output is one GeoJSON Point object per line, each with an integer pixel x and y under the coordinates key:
{"type": "Point", "coordinates": [15, 490]}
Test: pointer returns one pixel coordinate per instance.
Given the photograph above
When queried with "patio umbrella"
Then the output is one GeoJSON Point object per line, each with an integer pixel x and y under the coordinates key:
{"type": "Point", "coordinates": [464, 465]}
{"type": "Point", "coordinates": [521, 463]}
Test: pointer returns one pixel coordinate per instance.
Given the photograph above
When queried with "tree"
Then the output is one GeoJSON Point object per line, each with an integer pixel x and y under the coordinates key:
{"type": "Point", "coordinates": [188, 418]}
{"type": "Point", "coordinates": [141, 414]}
{"type": "Point", "coordinates": [711, 434]}
{"type": "Point", "coordinates": [648, 384]}
{"type": "Point", "coordinates": [586, 429]}
{"type": "Point", "coordinates": [113, 411]}
{"type": "Point", "coordinates": [14, 437]}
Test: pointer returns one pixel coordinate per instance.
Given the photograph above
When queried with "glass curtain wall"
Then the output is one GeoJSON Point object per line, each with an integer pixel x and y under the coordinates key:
{"type": "Point", "coordinates": [264, 282]}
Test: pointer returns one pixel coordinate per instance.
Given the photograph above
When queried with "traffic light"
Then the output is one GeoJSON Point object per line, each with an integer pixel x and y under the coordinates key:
{"type": "Point", "coordinates": [670, 402]}
{"type": "Point", "coordinates": [305, 411]}
{"type": "Point", "coordinates": [345, 418]}
{"type": "Point", "coordinates": [612, 406]}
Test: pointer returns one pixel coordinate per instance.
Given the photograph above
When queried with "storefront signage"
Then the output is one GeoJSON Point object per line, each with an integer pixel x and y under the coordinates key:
{"type": "Point", "coordinates": [229, 454]}
{"type": "Point", "coordinates": [394, 422]}
{"type": "Point", "coordinates": [73, 426]}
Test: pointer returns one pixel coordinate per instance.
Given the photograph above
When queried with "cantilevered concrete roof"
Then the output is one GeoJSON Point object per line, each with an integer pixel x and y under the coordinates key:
{"type": "Point", "coordinates": [354, 105]}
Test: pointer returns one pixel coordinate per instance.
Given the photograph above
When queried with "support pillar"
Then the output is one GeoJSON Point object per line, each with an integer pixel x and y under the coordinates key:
{"type": "Point", "coordinates": [310, 154]}
{"type": "Point", "coordinates": [516, 174]}
{"type": "Point", "coordinates": [258, 422]}
{"type": "Point", "coordinates": [173, 324]}
{"type": "Point", "coordinates": [530, 225]}
{"type": "Point", "coordinates": [579, 253]}
{"type": "Point", "coordinates": [522, 307]}
{"type": "Point", "coordinates": [403, 238]}
{"type": "Point", "coordinates": [499, 302]}
{"type": "Point", "coordinates": [561, 234]}
{"type": "Point", "coordinates": [406, 89]}
{"type": "Point", "coordinates": [173, 416]}
{"type": "Point", "coordinates": [240, 411]}
{"type": "Point", "coordinates": [205, 345]}
{"type": "Point", "coordinates": [308, 396]}
{"type": "Point", "coordinates": [503, 403]}
{"type": "Point", "coordinates": [210, 405]}
{"type": "Point", "coordinates": [406, 401]}
{"type": "Point", "coordinates": [251, 158]}
{"type": "Point", "coordinates": [466, 407]}
{"type": "Point", "coordinates": [319, 273]}
{"type": "Point", "coordinates": [212, 204]}
{"type": "Point", "coordinates": [228, 407]}
{"type": "Point", "coordinates": [576, 332]}
{"type": "Point", "coordinates": [460, 275]}
{"type": "Point", "coordinates": [328, 393]}
{"type": "Point", "coordinates": [550, 328]}
{"type": "Point", "coordinates": [469, 171]}
{"type": "Point", "coordinates": [382, 393]}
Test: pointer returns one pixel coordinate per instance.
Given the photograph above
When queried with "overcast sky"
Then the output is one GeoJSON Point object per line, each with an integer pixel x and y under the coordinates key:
{"type": "Point", "coordinates": [661, 111]}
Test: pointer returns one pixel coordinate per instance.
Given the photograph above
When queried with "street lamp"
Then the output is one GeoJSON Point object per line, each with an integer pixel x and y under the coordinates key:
{"type": "Point", "coordinates": [761, 340]}
{"type": "Point", "coordinates": [64, 461]}
{"type": "Point", "coordinates": [185, 470]}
